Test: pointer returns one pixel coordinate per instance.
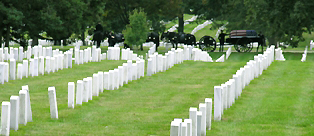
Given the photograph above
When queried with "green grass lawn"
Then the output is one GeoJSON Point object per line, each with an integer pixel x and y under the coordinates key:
{"type": "Point", "coordinates": [280, 102]}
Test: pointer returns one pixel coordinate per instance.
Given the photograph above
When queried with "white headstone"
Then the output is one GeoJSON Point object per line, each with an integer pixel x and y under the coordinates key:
{"type": "Point", "coordinates": [202, 108]}
{"type": "Point", "coordinates": [2, 72]}
{"type": "Point", "coordinates": [14, 113]}
{"type": "Point", "coordinates": [126, 74]}
{"type": "Point", "coordinates": [95, 85]}
{"type": "Point", "coordinates": [193, 117]}
{"type": "Point", "coordinates": [53, 102]}
{"type": "Point", "coordinates": [217, 103]}
{"type": "Point", "coordinates": [130, 71]}
{"type": "Point", "coordinates": [90, 84]}
{"type": "Point", "coordinates": [6, 72]}
{"type": "Point", "coordinates": [19, 71]}
{"type": "Point", "coordinates": [25, 67]}
{"type": "Point", "coordinates": [101, 81]}
{"type": "Point", "coordinates": [208, 102]}
{"type": "Point", "coordinates": [199, 123]}
{"type": "Point", "coordinates": [71, 92]}
{"type": "Point", "coordinates": [106, 80]}
{"type": "Point", "coordinates": [111, 80]}
{"type": "Point", "coordinates": [23, 107]}
{"type": "Point", "coordinates": [188, 127]}
{"type": "Point", "coordinates": [79, 92]}
{"type": "Point", "coordinates": [85, 90]}
{"type": "Point", "coordinates": [29, 108]}
{"type": "Point", "coordinates": [174, 129]}
{"type": "Point", "coordinates": [12, 69]}
{"type": "Point", "coordinates": [5, 118]}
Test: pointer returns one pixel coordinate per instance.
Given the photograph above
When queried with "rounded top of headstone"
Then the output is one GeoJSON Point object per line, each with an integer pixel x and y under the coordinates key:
{"type": "Point", "coordinates": [201, 105]}
{"type": "Point", "coordinates": [173, 123]}
{"type": "Point", "coordinates": [5, 103]}
{"type": "Point", "coordinates": [218, 87]}
{"type": "Point", "coordinates": [13, 97]}
{"type": "Point", "coordinates": [22, 92]}
{"type": "Point", "coordinates": [199, 113]}
{"type": "Point", "coordinates": [208, 100]}
{"type": "Point", "coordinates": [51, 88]}
{"type": "Point", "coordinates": [193, 109]}
{"type": "Point", "coordinates": [188, 120]}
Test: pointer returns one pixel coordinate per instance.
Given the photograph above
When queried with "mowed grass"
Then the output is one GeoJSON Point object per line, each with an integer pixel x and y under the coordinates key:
{"type": "Point", "coordinates": [142, 107]}
{"type": "Point", "coordinates": [279, 102]}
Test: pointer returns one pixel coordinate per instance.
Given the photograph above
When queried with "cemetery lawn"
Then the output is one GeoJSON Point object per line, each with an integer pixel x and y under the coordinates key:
{"type": "Point", "coordinates": [280, 102]}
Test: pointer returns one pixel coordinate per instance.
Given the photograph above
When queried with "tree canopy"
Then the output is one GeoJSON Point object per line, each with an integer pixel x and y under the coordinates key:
{"type": "Point", "coordinates": [278, 20]}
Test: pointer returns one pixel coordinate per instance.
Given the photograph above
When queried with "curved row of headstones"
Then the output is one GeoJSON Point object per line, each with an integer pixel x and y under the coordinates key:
{"type": "Point", "coordinates": [174, 28]}
{"type": "Point", "coordinates": [16, 112]}
{"type": "Point", "coordinates": [12, 70]}
{"type": "Point", "coordinates": [15, 107]}
{"type": "Point", "coordinates": [201, 26]}
{"type": "Point", "coordinates": [278, 55]}
{"type": "Point", "coordinates": [94, 85]}
{"type": "Point", "coordinates": [303, 59]}
{"type": "Point", "coordinates": [224, 96]}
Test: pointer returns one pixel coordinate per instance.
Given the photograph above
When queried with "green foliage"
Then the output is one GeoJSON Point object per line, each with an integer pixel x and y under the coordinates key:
{"type": "Point", "coordinates": [136, 32]}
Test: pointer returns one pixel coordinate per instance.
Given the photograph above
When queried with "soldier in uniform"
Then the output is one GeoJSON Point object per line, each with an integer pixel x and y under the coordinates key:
{"type": "Point", "coordinates": [98, 34]}
{"type": "Point", "coordinates": [221, 38]}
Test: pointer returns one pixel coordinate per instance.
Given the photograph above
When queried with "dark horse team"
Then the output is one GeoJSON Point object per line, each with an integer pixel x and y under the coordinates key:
{"type": "Point", "coordinates": [171, 37]}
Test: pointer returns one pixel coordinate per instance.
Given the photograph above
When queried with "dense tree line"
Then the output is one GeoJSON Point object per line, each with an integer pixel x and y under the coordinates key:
{"type": "Point", "coordinates": [279, 20]}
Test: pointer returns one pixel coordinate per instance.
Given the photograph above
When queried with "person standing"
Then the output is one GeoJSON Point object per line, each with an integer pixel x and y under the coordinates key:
{"type": "Point", "coordinates": [98, 34]}
{"type": "Point", "coordinates": [221, 38]}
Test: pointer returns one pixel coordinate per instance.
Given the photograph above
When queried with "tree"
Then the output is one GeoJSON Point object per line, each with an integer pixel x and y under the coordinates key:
{"type": "Point", "coordinates": [136, 32]}
{"type": "Point", "coordinates": [278, 20]}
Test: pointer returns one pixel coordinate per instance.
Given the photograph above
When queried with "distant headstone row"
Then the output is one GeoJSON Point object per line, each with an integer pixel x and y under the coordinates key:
{"type": "Point", "coordinates": [100, 81]}
{"type": "Point", "coordinates": [198, 122]}
{"type": "Point", "coordinates": [279, 55]}
{"type": "Point", "coordinates": [17, 111]}
{"type": "Point", "coordinates": [303, 59]}
{"type": "Point", "coordinates": [224, 96]}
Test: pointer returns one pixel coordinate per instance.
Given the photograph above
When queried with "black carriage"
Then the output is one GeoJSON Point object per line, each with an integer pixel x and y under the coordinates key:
{"type": "Point", "coordinates": [242, 40]}
{"type": "Point", "coordinates": [207, 43]}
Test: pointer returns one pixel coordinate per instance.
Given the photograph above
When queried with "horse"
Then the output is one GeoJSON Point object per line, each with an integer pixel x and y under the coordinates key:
{"type": "Point", "coordinates": [153, 37]}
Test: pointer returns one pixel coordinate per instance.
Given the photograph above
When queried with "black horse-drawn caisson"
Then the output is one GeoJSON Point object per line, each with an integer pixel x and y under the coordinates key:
{"type": "Point", "coordinates": [242, 40]}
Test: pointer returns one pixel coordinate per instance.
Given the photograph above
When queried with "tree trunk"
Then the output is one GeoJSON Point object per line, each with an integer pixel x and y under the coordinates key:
{"type": "Point", "coordinates": [34, 41]}
{"type": "Point", "coordinates": [181, 24]}
{"type": "Point", "coordinates": [83, 38]}
{"type": "Point", "coordinates": [1, 31]}
{"type": "Point", "coordinates": [7, 36]}
{"type": "Point", "coordinates": [57, 42]}
{"type": "Point", "coordinates": [65, 42]}
{"type": "Point", "coordinates": [272, 41]}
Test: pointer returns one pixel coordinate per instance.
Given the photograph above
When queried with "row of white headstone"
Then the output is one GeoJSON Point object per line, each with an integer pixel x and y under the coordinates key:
{"type": "Point", "coordinates": [279, 55]}
{"type": "Point", "coordinates": [228, 53]}
{"type": "Point", "coordinates": [111, 80]}
{"type": "Point", "coordinates": [152, 49]}
{"type": "Point", "coordinates": [88, 55]}
{"type": "Point", "coordinates": [159, 63]}
{"type": "Point", "coordinates": [19, 54]}
{"type": "Point", "coordinates": [197, 123]}
{"type": "Point", "coordinates": [221, 58]}
{"type": "Point", "coordinates": [127, 54]}
{"type": "Point", "coordinates": [199, 55]}
{"type": "Point", "coordinates": [34, 67]}
{"type": "Point", "coordinates": [226, 94]}
{"type": "Point", "coordinates": [304, 55]}
{"type": "Point", "coordinates": [311, 44]}
{"type": "Point", "coordinates": [201, 26]}
{"type": "Point", "coordinates": [17, 111]}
